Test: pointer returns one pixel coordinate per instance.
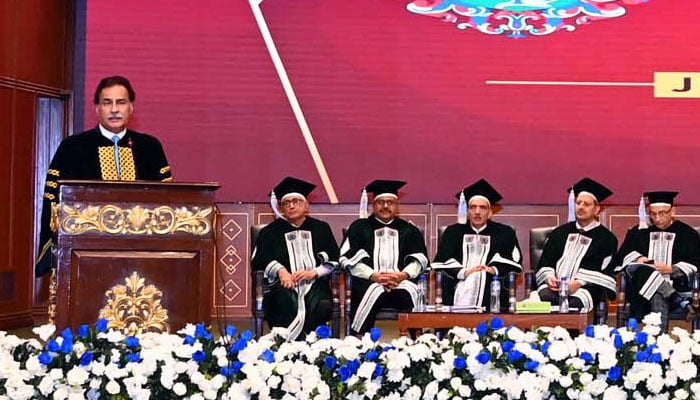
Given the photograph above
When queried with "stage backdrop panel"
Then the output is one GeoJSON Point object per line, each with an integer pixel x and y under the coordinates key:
{"type": "Point", "coordinates": [381, 89]}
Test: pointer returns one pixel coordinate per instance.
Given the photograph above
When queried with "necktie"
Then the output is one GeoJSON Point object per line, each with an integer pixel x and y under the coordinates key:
{"type": "Point", "coordinates": [115, 139]}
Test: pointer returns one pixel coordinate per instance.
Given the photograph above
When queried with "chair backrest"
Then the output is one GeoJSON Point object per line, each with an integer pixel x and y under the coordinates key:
{"type": "Point", "coordinates": [258, 285]}
{"type": "Point", "coordinates": [538, 239]}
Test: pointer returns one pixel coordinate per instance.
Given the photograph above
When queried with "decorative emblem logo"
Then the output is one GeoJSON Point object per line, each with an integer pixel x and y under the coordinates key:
{"type": "Point", "coordinates": [521, 18]}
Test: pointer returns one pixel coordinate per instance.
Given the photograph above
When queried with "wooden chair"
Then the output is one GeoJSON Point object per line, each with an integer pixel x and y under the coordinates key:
{"type": "Point", "coordinates": [260, 287]}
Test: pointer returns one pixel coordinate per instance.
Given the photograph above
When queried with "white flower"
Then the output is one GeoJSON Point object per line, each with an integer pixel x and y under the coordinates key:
{"type": "Point", "coordinates": [653, 319]}
{"type": "Point", "coordinates": [614, 393]}
{"type": "Point", "coordinates": [77, 376]}
{"type": "Point", "coordinates": [45, 331]}
{"type": "Point", "coordinates": [681, 394]}
{"type": "Point", "coordinates": [112, 387]}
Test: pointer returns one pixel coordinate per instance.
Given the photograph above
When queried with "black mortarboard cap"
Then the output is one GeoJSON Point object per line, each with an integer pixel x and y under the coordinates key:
{"type": "Point", "coordinates": [290, 185]}
{"type": "Point", "coordinates": [665, 197]}
{"type": "Point", "coordinates": [381, 187]}
{"type": "Point", "coordinates": [481, 188]}
{"type": "Point", "coordinates": [588, 185]}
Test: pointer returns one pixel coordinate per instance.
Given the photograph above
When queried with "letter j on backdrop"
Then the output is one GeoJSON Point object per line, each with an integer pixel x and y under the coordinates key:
{"type": "Point", "coordinates": [677, 84]}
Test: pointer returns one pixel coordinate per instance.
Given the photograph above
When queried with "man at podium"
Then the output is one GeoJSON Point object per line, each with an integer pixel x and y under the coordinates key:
{"type": "Point", "coordinates": [110, 151]}
{"type": "Point", "coordinates": [297, 254]}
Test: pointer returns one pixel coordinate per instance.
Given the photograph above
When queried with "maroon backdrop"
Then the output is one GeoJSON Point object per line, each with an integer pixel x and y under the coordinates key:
{"type": "Point", "coordinates": [392, 94]}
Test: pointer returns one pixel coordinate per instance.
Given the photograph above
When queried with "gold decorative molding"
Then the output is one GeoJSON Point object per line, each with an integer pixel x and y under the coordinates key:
{"type": "Point", "coordinates": [135, 307]}
{"type": "Point", "coordinates": [52, 297]}
{"type": "Point", "coordinates": [77, 219]}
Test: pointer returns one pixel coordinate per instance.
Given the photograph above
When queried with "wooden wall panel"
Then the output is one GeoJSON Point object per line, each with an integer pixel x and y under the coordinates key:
{"type": "Point", "coordinates": [35, 59]}
{"type": "Point", "coordinates": [44, 42]}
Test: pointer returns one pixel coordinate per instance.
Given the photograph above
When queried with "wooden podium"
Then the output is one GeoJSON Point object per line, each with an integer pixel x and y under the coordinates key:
{"type": "Point", "coordinates": [140, 254]}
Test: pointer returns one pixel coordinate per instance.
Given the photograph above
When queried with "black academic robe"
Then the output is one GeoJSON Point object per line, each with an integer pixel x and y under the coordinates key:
{"type": "Point", "coordinates": [371, 244]}
{"type": "Point", "coordinates": [677, 245]}
{"type": "Point", "coordinates": [496, 245]}
{"type": "Point", "coordinates": [90, 156]}
{"type": "Point", "coordinates": [584, 256]}
{"type": "Point", "coordinates": [283, 245]}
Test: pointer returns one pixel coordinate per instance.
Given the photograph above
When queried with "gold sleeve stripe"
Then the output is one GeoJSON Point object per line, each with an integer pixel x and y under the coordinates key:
{"type": "Point", "coordinates": [49, 196]}
{"type": "Point", "coordinates": [167, 179]}
{"type": "Point", "coordinates": [54, 172]}
{"type": "Point", "coordinates": [52, 184]}
{"type": "Point", "coordinates": [165, 169]}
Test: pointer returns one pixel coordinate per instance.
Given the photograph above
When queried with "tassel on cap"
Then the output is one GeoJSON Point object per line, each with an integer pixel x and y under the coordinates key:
{"type": "Point", "coordinates": [462, 209]}
{"type": "Point", "coordinates": [274, 205]}
{"type": "Point", "coordinates": [572, 206]}
{"type": "Point", "coordinates": [363, 204]}
{"type": "Point", "coordinates": [643, 217]}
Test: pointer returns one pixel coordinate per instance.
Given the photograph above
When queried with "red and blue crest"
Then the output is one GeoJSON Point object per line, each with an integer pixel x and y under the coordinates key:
{"type": "Point", "coordinates": [521, 18]}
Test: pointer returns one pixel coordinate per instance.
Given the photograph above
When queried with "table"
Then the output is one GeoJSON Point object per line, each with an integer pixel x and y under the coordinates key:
{"type": "Point", "coordinates": [445, 320]}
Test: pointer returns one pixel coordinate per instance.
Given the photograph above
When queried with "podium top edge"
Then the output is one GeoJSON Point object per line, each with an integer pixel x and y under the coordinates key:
{"type": "Point", "coordinates": [154, 184]}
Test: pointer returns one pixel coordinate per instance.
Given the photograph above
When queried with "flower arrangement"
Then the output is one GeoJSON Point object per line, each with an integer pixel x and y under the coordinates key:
{"type": "Point", "coordinates": [490, 362]}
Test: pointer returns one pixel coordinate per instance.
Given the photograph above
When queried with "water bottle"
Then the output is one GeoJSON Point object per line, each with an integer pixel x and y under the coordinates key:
{"type": "Point", "coordinates": [563, 295]}
{"type": "Point", "coordinates": [495, 295]}
{"type": "Point", "coordinates": [420, 303]}
{"type": "Point", "coordinates": [511, 292]}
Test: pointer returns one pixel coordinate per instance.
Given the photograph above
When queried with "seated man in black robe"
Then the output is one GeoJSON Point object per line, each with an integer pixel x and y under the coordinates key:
{"type": "Point", "coordinates": [659, 259]}
{"type": "Point", "coordinates": [297, 254]}
{"type": "Point", "coordinates": [110, 151]}
{"type": "Point", "coordinates": [581, 251]}
{"type": "Point", "coordinates": [477, 249]}
{"type": "Point", "coordinates": [383, 253]}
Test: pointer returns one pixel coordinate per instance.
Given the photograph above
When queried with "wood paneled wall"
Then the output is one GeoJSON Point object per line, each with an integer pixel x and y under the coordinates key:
{"type": "Point", "coordinates": [35, 60]}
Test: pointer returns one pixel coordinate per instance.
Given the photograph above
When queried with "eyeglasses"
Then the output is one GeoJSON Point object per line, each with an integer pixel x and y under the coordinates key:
{"type": "Point", "coordinates": [660, 214]}
{"type": "Point", "coordinates": [383, 203]}
{"type": "Point", "coordinates": [292, 202]}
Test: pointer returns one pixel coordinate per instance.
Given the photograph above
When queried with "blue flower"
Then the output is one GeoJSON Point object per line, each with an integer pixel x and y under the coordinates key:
{"type": "Point", "coordinates": [642, 356]}
{"type": "Point", "coordinates": [481, 329]}
{"type": "Point", "coordinates": [330, 362]}
{"type": "Point", "coordinates": [67, 334]}
{"type": "Point", "coordinates": [236, 366]}
{"type": "Point", "coordinates": [514, 355]}
{"type": "Point", "coordinates": [231, 330]}
{"type": "Point", "coordinates": [615, 373]}
{"type": "Point", "coordinates": [354, 365]}
{"type": "Point", "coordinates": [496, 323]}
{"type": "Point", "coordinates": [247, 335]}
{"type": "Point", "coordinates": [655, 358]}
{"type": "Point", "coordinates": [200, 331]}
{"type": "Point", "coordinates": [344, 373]}
{"type": "Point", "coordinates": [83, 331]}
{"type": "Point", "coordinates": [641, 337]}
{"type": "Point", "coordinates": [460, 362]}
{"type": "Point", "coordinates": [531, 365]}
{"type": "Point", "coordinates": [590, 331]}
{"type": "Point", "coordinates": [632, 324]}
{"type": "Point", "coordinates": [375, 334]}
{"type": "Point", "coordinates": [378, 370]}
{"type": "Point", "coordinates": [371, 355]}
{"type": "Point", "coordinates": [199, 356]}
{"type": "Point", "coordinates": [53, 346]}
{"type": "Point", "coordinates": [226, 371]}
{"type": "Point", "coordinates": [587, 357]}
{"type": "Point", "coordinates": [545, 348]}
{"type": "Point", "coordinates": [268, 356]}
{"type": "Point", "coordinates": [617, 341]}
{"type": "Point", "coordinates": [483, 357]}
{"type": "Point", "coordinates": [86, 359]}
{"type": "Point", "coordinates": [189, 340]}
{"type": "Point", "coordinates": [133, 357]}
{"type": "Point", "coordinates": [67, 346]}
{"type": "Point", "coordinates": [131, 341]}
{"type": "Point", "coordinates": [239, 345]}
{"type": "Point", "coordinates": [507, 346]}
{"type": "Point", "coordinates": [45, 358]}
{"type": "Point", "coordinates": [101, 325]}
{"type": "Point", "coordinates": [323, 331]}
